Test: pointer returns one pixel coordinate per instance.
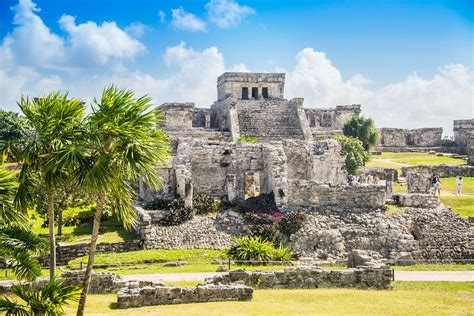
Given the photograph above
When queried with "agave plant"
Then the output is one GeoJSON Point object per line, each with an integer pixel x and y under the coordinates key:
{"type": "Point", "coordinates": [48, 300]}
{"type": "Point", "coordinates": [251, 248]}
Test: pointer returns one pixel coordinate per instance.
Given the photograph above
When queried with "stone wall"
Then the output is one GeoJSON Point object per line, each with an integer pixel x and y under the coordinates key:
{"type": "Point", "coordinates": [200, 232]}
{"type": "Point", "coordinates": [331, 234]}
{"type": "Point", "coordinates": [462, 129]}
{"type": "Point", "coordinates": [444, 171]}
{"type": "Point", "coordinates": [331, 118]}
{"type": "Point", "coordinates": [470, 148]}
{"type": "Point", "coordinates": [418, 200]}
{"type": "Point", "coordinates": [306, 193]}
{"type": "Point", "coordinates": [230, 84]}
{"type": "Point", "coordinates": [177, 115]}
{"type": "Point", "coordinates": [135, 296]}
{"type": "Point", "coordinates": [309, 277]}
{"type": "Point", "coordinates": [420, 137]}
{"type": "Point", "coordinates": [66, 253]}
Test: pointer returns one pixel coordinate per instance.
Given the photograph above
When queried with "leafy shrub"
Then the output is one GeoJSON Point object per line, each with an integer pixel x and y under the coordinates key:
{"type": "Point", "coordinates": [363, 129]}
{"type": "Point", "coordinates": [205, 204]}
{"type": "Point", "coordinates": [177, 213]}
{"type": "Point", "coordinates": [267, 232]}
{"type": "Point", "coordinates": [247, 139]}
{"type": "Point", "coordinates": [292, 222]}
{"type": "Point", "coordinates": [353, 150]}
{"type": "Point", "coordinates": [283, 253]}
{"type": "Point", "coordinates": [251, 248]}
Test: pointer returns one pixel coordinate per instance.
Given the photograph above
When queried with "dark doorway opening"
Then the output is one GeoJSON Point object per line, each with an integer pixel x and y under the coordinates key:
{"type": "Point", "coordinates": [245, 93]}
{"type": "Point", "coordinates": [265, 93]}
{"type": "Point", "coordinates": [255, 93]}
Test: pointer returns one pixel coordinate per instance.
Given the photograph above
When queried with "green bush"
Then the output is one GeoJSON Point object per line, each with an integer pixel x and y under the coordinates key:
{"type": "Point", "coordinates": [353, 150]}
{"type": "Point", "coordinates": [283, 254]}
{"type": "Point", "coordinates": [292, 222]}
{"type": "Point", "coordinates": [255, 248]}
{"type": "Point", "coordinates": [205, 204]}
{"type": "Point", "coordinates": [177, 213]}
{"type": "Point", "coordinates": [247, 139]}
{"type": "Point", "coordinates": [363, 129]}
{"type": "Point", "coordinates": [156, 204]}
{"type": "Point", "coordinates": [249, 248]}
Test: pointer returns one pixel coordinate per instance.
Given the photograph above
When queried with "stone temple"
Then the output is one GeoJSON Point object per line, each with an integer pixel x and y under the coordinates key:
{"type": "Point", "coordinates": [290, 158]}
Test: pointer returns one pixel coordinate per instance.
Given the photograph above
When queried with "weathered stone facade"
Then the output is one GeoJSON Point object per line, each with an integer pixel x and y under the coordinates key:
{"type": "Point", "coordinates": [419, 177]}
{"type": "Point", "coordinates": [462, 130]}
{"type": "Point", "coordinates": [420, 137]}
{"type": "Point", "coordinates": [309, 277]}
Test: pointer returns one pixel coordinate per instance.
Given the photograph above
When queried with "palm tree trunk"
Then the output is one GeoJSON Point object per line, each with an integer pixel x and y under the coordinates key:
{"type": "Point", "coordinates": [60, 222]}
{"type": "Point", "coordinates": [52, 237]}
{"type": "Point", "coordinates": [90, 263]}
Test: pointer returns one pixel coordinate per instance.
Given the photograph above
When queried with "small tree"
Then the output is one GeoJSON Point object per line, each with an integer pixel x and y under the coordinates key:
{"type": "Point", "coordinates": [363, 129]}
{"type": "Point", "coordinates": [353, 150]}
{"type": "Point", "coordinates": [14, 132]}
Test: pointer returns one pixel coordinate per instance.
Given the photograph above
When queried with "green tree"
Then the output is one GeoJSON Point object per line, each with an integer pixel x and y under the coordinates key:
{"type": "Point", "coordinates": [122, 144]}
{"type": "Point", "coordinates": [56, 122]}
{"type": "Point", "coordinates": [363, 129]}
{"type": "Point", "coordinates": [48, 300]}
{"type": "Point", "coordinates": [14, 131]}
{"type": "Point", "coordinates": [353, 150]}
{"type": "Point", "coordinates": [17, 242]}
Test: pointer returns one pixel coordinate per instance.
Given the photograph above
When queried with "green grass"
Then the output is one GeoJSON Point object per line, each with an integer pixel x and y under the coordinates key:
{"type": "Point", "coordinates": [406, 298]}
{"type": "Point", "coordinates": [462, 205]}
{"type": "Point", "coordinates": [111, 230]}
{"type": "Point", "coordinates": [448, 185]}
{"type": "Point", "coordinates": [398, 160]}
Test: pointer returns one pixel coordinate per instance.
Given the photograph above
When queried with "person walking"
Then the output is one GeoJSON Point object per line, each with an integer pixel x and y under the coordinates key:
{"type": "Point", "coordinates": [436, 184]}
{"type": "Point", "coordinates": [459, 186]}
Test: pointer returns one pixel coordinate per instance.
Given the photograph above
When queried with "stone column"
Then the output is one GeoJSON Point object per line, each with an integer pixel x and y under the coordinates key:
{"type": "Point", "coordinates": [208, 120]}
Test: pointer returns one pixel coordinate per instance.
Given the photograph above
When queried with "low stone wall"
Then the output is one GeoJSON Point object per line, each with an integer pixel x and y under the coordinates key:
{"type": "Point", "coordinates": [387, 174]}
{"type": "Point", "coordinates": [443, 171]}
{"type": "Point", "coordinates": [306, 193]}
{"type": "Point", "coordinates": [418, 200]}
{"type": "Point", "coordinates": [101, 282]}
{"type": "Point", "coordinates": [66, 253]}
{"type": "Point", "coordinates": [135, 296]}
{"type": "Point", "coordinates": [309, 277]}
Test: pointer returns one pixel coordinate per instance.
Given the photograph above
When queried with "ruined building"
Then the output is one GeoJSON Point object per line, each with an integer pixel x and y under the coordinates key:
{"type": "Point", "coordinates": [289, 158]}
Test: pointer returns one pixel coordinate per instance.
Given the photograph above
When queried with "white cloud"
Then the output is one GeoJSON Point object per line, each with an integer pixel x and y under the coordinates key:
{"type": "Point", "coordinates": [33, 44]}
{"type": "Point", "coordinates": [413, 102]}
{"type": "Point", "coordinates": [92, 44]}
{"type": "Point", "coordinates": [187, 21]}
{"type": "Point", "coordinates": [136, 29]}
{"type": "Point", "coordinates": [227, 13]}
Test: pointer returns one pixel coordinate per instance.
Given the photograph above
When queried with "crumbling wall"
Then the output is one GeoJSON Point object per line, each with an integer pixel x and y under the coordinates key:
{"type": "Point", "coordinates": [420, 137]}
{"type": "Point", "coordinates": [177, 115]}
{"type": "Point", "coordinates": [444, 171]}
{"type": "Point", "coordinates": [158, 294]}
{"type": "Point", "coordinates": [317, 160]}
{"type": "Point", "coordinates": [331, 118]}
{"type": "Point", "coordinates": [470, 148]}
{"type": "Point", "coordinates": [462, 129]}
{"type": "Point", "coordinates": [309, 277]}
{"type": "Point", "coordinates": [418, 200]}
{"type": "Point", "coordinates": [307, 193]}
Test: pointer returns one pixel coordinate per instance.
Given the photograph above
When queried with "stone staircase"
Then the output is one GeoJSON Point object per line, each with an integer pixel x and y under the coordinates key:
{"type": "Point", "coordinates": [269, 120]}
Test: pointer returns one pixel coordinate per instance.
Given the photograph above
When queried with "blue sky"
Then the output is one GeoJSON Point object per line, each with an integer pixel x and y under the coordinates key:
{"type": "Point", "coordinates": [408, 62]}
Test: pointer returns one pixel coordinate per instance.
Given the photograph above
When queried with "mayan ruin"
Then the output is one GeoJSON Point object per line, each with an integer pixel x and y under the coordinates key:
{"type": "Point", "coordinates": [236, 157]}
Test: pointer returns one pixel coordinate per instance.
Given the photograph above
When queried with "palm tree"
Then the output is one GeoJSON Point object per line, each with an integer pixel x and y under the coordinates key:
{"type": "Point", "coordinates": [122, 145]}
{"type": "Point", "coordinates": [56, 122]}
{"type": "Point", "coordinates": [363, 129]}
{"type": "Point", "coordinates": [47, 300]}
{"type": "Point", "coordinates": [17, 242]}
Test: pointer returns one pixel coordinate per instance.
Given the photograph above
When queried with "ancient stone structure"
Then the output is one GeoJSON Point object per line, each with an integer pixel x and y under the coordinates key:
{"type": "Point", "coordinates": [368, 258]}
{"type": "Point", "coordinates": [309, 277]}
{"type": "Point", "coordinates": [398, 139]}
{"type": "Point", "coordinates": [462, 130]}
{"type": "Point", "coordinates": [158, 294]}
{"type": "Point", "coordinates": [331, 233]}
{"type": "Point", "coordinates": [385, 176]}
{"type": "Point", "coordinates": [470, 148]}
{"type": "Point", "coordinates": [428, 201]}
{"type": "Point", "coordinates": [209, 158]}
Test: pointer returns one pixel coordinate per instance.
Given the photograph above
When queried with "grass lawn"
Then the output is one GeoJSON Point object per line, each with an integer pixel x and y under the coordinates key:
{"type": "Point", "coordinates": [448, 185]}
{"type": "Point", "coordinates": [398, 160]}
{"type": "Point", "coordinates": [406, 298]}
{"type": "Point", "coordinates": [462, 205]}
{"type": "Point", "coordinates": [111, 230]}
{"type": "Point", "coordinates": [436, 267]}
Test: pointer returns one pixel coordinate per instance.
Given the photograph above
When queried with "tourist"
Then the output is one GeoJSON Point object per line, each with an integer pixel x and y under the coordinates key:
{"type": "Point", "coordinates": [436, 184]}
{"type": "Point", "coordinates": [459, 186]}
